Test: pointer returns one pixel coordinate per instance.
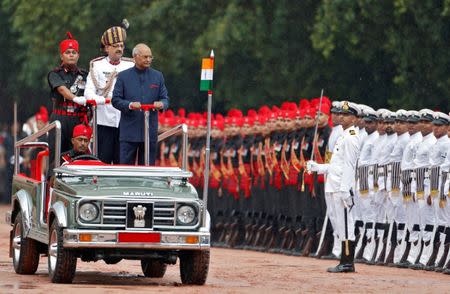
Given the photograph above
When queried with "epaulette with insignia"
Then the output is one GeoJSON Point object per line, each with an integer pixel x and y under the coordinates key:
{"type": "Point", "coordinates": [352, 132]}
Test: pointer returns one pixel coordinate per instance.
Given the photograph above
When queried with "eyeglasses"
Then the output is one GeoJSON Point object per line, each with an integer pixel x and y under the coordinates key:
{"type": "Point", "coordinates": [146, 56]}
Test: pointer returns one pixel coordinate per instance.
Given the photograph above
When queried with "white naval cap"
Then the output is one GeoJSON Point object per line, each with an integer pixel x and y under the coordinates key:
{"type": "Point", "coordinates": [335, 106]}
{"type": "Point", "coordinates": [413, 116]}
{"type": "Point", "coordinates": [441, 118]}
{"type": "Point", "coordinates": [380, 113]}
{"type": "Point", "coordinates": [350, 107]}
{"type": "Point", "coordinates": [368, 113]}
{"type": "Point", "coordinates": [401, 115]}
{"type": "Point", "coordinates": [426, 114]}
{"type": "Point", "coordinates": [388, 116]}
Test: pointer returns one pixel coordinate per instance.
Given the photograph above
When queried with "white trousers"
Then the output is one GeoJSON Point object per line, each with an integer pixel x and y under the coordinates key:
{"type": "Point", "coordinates": [340, 211]}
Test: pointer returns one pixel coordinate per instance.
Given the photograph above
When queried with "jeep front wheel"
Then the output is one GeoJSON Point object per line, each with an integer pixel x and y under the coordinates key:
{"type": "Point", "coordinates": [61, 262]}
{"type": "Point", "coordinates": [153, 268]}
{"type": "Point", "coordinates": [194, 267]}
{"type": "Point", "coordinates": [25, 250]}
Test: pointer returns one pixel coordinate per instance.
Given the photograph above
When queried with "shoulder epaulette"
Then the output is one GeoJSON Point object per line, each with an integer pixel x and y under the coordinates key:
{"type": "Point", "coordinates": [98, 58]}
{"type": "Point", "coordinates": [94, 60]}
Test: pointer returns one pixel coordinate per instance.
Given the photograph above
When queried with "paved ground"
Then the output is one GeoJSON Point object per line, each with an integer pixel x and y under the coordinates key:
{"type": "Point", "coordinates": [231, 271]}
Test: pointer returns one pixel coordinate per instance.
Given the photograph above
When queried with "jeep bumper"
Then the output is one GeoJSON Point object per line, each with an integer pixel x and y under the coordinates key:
{"type": "Point", "coordinates": [73, 238]}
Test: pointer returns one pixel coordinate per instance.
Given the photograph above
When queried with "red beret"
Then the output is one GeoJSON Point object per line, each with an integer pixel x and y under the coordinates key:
{"type": "Point", "coordinates": [70, 43]}
{"type": "Point", "coordinates": [82, 130]}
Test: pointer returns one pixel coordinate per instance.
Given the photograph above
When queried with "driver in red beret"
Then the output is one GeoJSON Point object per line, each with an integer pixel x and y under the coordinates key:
{"type": "Point", "coordinates": [80, 143]}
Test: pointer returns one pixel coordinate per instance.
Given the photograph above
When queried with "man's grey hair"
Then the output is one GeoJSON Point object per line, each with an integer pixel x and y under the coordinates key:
{"type": "Point", "coordinates": [135, 51]}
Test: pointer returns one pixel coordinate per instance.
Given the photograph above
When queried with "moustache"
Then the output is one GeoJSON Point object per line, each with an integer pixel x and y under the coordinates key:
{"type": "Point", "coordinates": [119, 51]}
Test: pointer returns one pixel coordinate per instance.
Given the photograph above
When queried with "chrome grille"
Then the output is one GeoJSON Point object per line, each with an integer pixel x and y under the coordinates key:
{"type": "Point", "coordinates": [114, 214]}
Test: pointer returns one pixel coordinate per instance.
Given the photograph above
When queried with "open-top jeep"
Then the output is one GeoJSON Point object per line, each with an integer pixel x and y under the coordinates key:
{"type": "Point", "coordinates": [92, 211]}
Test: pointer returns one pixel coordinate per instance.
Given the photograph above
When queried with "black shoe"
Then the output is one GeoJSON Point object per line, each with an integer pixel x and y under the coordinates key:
{"type": "Point", "coordinates": [429, 268]}
{"type": "Point", "coordinates": [417, 266]}
{"type": "Point", "coordinates": [405, 264]}
{"type": "Point", "coordinates": [446, 271]}
{"type": "Point", "coordinates": [342, 268]}
{"type": "Point", "coordinates": [438, 269]}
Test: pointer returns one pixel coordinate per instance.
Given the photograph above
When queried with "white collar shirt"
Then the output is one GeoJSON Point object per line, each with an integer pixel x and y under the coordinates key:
{"type": "Point", "coordinates": [382, 152]}
{"type": "Point", "coordinates": [365, 156]}
{"type": "Point", "coordinates": [439, 151]}
{"type": "Point", "coordinates": [341, 169]}
{"type": "Point", "coordinates": [410, 151]}
{"type": "Point", "coordinates": [422, 157]}
{"type": "Point", "coordinates": [397, 153]}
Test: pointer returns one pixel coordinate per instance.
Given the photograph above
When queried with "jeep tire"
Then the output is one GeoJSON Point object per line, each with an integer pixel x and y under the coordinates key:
{"type": "Point", "coordinates": [25, 250]}
{"type": "Point", "coordinates": [194, 267]}
{"type": "Point", "coordinates": [153, 268]}
{"type": "Point", "coordinates": [62, 263]}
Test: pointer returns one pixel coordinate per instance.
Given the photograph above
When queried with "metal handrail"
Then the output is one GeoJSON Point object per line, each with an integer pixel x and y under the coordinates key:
{"type": "Point", "coordinates": [33, 137]}
{"type": "Point", "coordinates": [183, 129]}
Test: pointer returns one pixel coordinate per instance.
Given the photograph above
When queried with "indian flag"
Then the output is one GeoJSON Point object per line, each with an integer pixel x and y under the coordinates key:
{"type": "Point", "coordinates": [207, 73]}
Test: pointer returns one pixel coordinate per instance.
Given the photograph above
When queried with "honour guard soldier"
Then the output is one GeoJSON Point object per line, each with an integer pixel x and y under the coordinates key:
{"type": "Point", "coordinates": [340, 181]}
{"type": "Point", "coordinates": [372, 206]}
{"type": "Point", "coordinates": [100, 84]}
{"type": "Point", "coordinates": [67, 83]}
{"type": "Point", "coordinates": [408, 185]}
{"type": "Point", "coordinates": [364, 184]}
{"type": "Point", "coordinates": [418, 211]}
{"type": "Point", "coordinates": [443, 217]}
{"type": "Point", "coordinates": [395, 201]}
{"type": "Point", "coordinates": [382, 153]}
{"type": "Point", "coordinates": [433, 220]}
{"type": "Point", "coordinates": [336, 132]}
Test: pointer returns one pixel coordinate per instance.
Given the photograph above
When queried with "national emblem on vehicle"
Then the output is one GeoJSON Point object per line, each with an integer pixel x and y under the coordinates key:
{"type": "Point", "coordinates": [139, 214]}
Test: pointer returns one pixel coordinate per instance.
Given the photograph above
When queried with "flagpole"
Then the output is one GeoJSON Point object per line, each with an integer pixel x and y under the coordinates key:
{"type": "Point", "coordinates": [207, 149]}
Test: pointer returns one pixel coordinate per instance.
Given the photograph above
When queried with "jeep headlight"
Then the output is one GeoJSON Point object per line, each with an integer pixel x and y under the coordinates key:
{"type": "Point", "coordinates": [88, 212]}
{"type": "Point", "coordinates": [185, 214]}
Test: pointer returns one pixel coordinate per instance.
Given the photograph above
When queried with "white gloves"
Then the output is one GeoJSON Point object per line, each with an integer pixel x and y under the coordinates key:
{"type": "Point", "coordinates": [370, 179]}
{"type": "Point", "coordinates": [80, 100]}
{"type": "Point", "coordinates": [100, 100]}
{"type": "Point", "coordinates": [312, 166]}
{"type": "Point", "coordinates": [347, 200]}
